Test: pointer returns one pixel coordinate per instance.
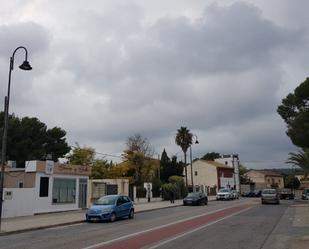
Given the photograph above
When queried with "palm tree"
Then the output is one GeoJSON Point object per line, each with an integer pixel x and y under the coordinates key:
{"type": "Point", "coordinates": [301, 159]}
{"type": "Point", "coordinates": [184, 140]}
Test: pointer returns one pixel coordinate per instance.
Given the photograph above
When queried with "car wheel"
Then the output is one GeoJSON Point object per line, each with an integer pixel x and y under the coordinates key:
{"type": "Point", "coordinates": [263, 202]}
{"type": "Point", "coordinates": [131, 214]}
{"type": "Point", "coordinates": [113, 217]}
{"type": "Point", "coordinates": [206, 202]}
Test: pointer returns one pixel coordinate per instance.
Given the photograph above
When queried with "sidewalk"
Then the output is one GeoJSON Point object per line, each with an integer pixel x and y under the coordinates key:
{"type": "Point", "coordinates": [292, 231]}
{"type": "Point", "coordinates": [33, 222]}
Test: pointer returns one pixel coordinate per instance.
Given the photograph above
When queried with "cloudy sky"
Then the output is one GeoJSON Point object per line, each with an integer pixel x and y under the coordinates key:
{"type": "Point", "coordinates": [104, 70]}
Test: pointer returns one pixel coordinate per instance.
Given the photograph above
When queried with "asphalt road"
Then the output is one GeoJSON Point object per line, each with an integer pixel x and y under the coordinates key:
{"type": "Point", "coordinates": [231, 224]}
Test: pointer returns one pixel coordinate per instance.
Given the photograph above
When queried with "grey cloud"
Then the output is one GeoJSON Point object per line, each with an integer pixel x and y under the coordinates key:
{"type": "Point", "coordinates": [31, 35]}
{"type": "Point", "coordinates": [36, 39]}
{"type": "Point", "coordinates": [225, 39]}
{"type": "Point", "coordinates": [104, 74]}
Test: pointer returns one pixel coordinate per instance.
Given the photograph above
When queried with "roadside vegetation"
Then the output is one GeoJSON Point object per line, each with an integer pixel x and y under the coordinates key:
{"type": "Point", "coordinates": [294, 110]}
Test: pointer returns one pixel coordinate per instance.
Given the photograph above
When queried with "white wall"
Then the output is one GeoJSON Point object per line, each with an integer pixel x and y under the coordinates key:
{"type": "Point", "coordinates": [206, 174]}
{"type": "Point", "coordinates": [122, 183]}
{"type": "Point", "coordinates": [21, 204]}
{"type": "Point", "coordinates": [226, 182]}
{"type": "Point", "coordinates": [232, 162]}
{"type": "Point", "coordinates": [44, 204]}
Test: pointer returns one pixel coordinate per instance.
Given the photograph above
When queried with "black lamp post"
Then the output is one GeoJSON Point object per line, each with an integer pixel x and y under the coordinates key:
{"type": "Point", "coordinates": [196, 142]}
{"type": "Point", "coordinates": [24, 66]}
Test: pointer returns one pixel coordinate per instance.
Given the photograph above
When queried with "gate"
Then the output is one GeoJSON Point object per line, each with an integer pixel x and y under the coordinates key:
{"type": "Point", "coordinates": [131, 191]}
{"type": "Point", "coordinates": [111, 189]}
{"type": "Point", "coordinates": [82, 196]}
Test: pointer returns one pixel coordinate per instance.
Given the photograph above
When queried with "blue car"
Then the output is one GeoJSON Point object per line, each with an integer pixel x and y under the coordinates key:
{"type": "Point", "coordinates": [110, 208]}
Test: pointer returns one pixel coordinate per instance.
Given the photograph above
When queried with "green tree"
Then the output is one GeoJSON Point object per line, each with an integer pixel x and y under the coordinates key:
{"type": "Point", "coordinates": [164, 167]}
{"type": "Point", "coordinates": [169, 167]}
{"type": "Point", "coordinates": [292, 182]}
{"type": "Point", "coordinates": [176, 167]}
{"type": "Point", "coordinates": [156, 187]}
{"type": "Point", "coordinates": [211, 156]}
{"type": "Point", "coordinates": [178, 182]}
{"type": "Point", "coordinates": [300, 159]}
{"type": "Point", "coordinates": [55, 144]}
{"type": "Point", "coordinates": [138, 154]}
{"type": "Point", "coordinates": [29, 139]}
{"type": "Point", "coordinates": [184, 140]}
{"type": "Point", "coordinates": [295, 112]}
{"type": "Point", "coordinates": [244, 179]}
{"type": "Point", "coordinates": [175, 184]}
{"type": "Point", "coordinates": [82, 156]}
{"type": "Point", "coordinates": [100, 169]}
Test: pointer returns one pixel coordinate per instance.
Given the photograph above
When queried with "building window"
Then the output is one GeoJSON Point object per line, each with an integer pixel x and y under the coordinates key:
{"type": "Point", "coordinates": [195, 173]}
{"type": "Point", "coordinates": [64, 190]}
{"type": "Point", "coordinates": [20, 184]}
{"type": "Point", "coordinates": [44, 182]}
{"type": "Point", "coordinates": [225, 162]}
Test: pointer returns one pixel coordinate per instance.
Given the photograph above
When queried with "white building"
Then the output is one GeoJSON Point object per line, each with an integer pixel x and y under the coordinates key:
{"type": "Point", "coordinates": [44, 186]}
{"type": "Point", "coordinates": [210, 176]}
{"type": "Point", "coordinates": [233, 162]}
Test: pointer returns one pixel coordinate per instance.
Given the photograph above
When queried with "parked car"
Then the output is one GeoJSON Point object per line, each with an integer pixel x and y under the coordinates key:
{"type": "Point", "coordinates": [235, 194]}
{"type": "Point", "coordinates": [286, 193]}
{"type": "Point", "coordinates": [245, 194]}
{"type": "Point", "coordinates": [197, 198]}
{"type": "Point", "coordinates": [270, 196]}
{"type": "Point", "coordinates": [248, 194]}
{"type": "Point", "coordinates": [255, 193]}
{"type": "Point", "coordinates": [305, 195]}
{"type": "Point", "coordinates": [111, 207]}
{"type": "Point", "coordinates": [224, 194]}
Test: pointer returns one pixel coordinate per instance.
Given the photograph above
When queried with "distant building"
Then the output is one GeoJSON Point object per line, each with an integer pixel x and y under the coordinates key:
{"type": "Point", "coordinates": [265, 179]}
{"type": "Point", "coordinates": [233, 162]}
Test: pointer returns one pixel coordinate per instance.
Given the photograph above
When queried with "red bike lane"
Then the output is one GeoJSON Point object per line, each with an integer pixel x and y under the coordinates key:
{"type": "Point", "coordinates": [154, 236]}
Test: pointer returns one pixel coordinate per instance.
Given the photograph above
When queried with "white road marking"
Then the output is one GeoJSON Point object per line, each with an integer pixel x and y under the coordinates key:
{"type": "Point", "coordinates": [195, 230]}
{"type": "Point", "coordinates": [156, 228]}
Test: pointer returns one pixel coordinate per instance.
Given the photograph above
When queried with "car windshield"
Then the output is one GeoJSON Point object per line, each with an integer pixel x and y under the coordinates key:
{"type": "Point", "coordinates": [223, 190]}
{"type": "Point", "coordinates": [192, 195]}
{"type": "Point", "coordinates": [269, 191]}
{"type": "Point", "coordinates": [106, 200]}
{"type": "Point", "coordinates": [306, 191]}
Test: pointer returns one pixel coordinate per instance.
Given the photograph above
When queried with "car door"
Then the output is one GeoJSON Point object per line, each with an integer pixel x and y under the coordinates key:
{"type": "Point", "coordinates": [126, 205]}
{"type": "Point", "coordinates": [119, 207]}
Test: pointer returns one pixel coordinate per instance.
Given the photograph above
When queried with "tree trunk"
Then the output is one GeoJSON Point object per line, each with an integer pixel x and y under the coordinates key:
{"type": "Point", "coordinates": [186, 169]}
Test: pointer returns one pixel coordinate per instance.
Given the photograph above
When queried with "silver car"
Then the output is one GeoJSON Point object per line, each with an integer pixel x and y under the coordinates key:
{"type": "Point", "coordinates": [224, 194]}
{"type": "Point", "coordinates": [270, 196]}
{"type": "Point", "coordinates": [235, 194]}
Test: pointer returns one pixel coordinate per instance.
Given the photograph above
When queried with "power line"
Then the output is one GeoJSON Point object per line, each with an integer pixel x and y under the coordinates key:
{"type": "Point", "coordinates": [96, 152]}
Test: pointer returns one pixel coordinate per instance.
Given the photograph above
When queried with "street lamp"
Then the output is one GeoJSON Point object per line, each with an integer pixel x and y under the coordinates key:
{"type": "Point", "coordinates": [196, 142]}
{"type": "Point", "coordinates": [24, 66]}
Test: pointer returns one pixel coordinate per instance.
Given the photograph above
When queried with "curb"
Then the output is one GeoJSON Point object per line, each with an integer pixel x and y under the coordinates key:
{"type": "Point", "coordinates": [72, 222]}
{"type": "Point", "coordinates": [39, 227]}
